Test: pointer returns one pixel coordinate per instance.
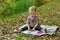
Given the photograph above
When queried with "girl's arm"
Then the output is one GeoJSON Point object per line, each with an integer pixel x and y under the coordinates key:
{"type": "Point", "coordinates": [28, 24]}
{"type": "Point", "coordinates": [28, 28]}
{"type": "Point", "coordinates": [37, 22]}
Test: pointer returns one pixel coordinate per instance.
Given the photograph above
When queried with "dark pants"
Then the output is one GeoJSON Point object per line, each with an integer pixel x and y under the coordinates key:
{"type": "Point", "coordinates": [37, 28]}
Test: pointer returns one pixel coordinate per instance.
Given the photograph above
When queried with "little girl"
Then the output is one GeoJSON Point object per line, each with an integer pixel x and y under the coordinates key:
{"type": "Point", "coordinates": [32, 21]}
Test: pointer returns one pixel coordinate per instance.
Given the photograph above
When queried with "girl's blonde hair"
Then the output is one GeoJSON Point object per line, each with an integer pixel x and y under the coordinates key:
{"type": "Point", "coordinates": [32, 8]}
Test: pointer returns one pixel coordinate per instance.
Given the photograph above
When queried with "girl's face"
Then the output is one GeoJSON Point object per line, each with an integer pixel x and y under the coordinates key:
{"type": "Point", "coordinates": [32, 12]}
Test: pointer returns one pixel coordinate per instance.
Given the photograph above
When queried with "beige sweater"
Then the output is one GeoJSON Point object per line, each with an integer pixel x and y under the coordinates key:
{"type": "Point", "coordinates": [32, 21]}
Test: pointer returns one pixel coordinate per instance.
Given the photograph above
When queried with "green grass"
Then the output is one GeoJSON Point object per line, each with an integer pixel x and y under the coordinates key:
{"type": "Point", "coordinates": [12, 7]}
{"type": "Point", "coordinates": [49, 14]}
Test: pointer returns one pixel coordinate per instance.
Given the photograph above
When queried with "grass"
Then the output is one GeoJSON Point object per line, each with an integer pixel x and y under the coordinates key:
{"type": "Point", "coordinates": [11, 8]}
{"type": "Point", "coordinates": [49, 14]}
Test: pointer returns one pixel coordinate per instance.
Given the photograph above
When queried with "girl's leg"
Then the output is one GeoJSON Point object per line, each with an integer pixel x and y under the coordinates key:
{"type": "Point", "coordinates": [24, 28]}
{"type": "Point", "coordinates": [38, 28]}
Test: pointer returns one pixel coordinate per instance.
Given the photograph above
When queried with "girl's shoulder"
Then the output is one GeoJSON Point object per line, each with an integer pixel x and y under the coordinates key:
{"type": "Point", "coordinates": [29, 17]}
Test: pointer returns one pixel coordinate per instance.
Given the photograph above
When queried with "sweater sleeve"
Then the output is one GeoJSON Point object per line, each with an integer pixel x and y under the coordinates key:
{"type": "Point", "coordinates": [37, 20]}
{"type": "Point", "coordinates": [28, 20]}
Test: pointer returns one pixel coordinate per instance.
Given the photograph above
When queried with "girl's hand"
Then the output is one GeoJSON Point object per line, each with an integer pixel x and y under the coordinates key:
{"type": "Point", "coordinates": [29, 29]}
{"type": "Point", "coordinates": [33, 29]}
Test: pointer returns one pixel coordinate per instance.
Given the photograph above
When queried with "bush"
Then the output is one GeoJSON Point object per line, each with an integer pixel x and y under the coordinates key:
{"type": "Point", "coordinates": [40, 2]}
{"type": "Point", "coordinates": [10, 7]}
